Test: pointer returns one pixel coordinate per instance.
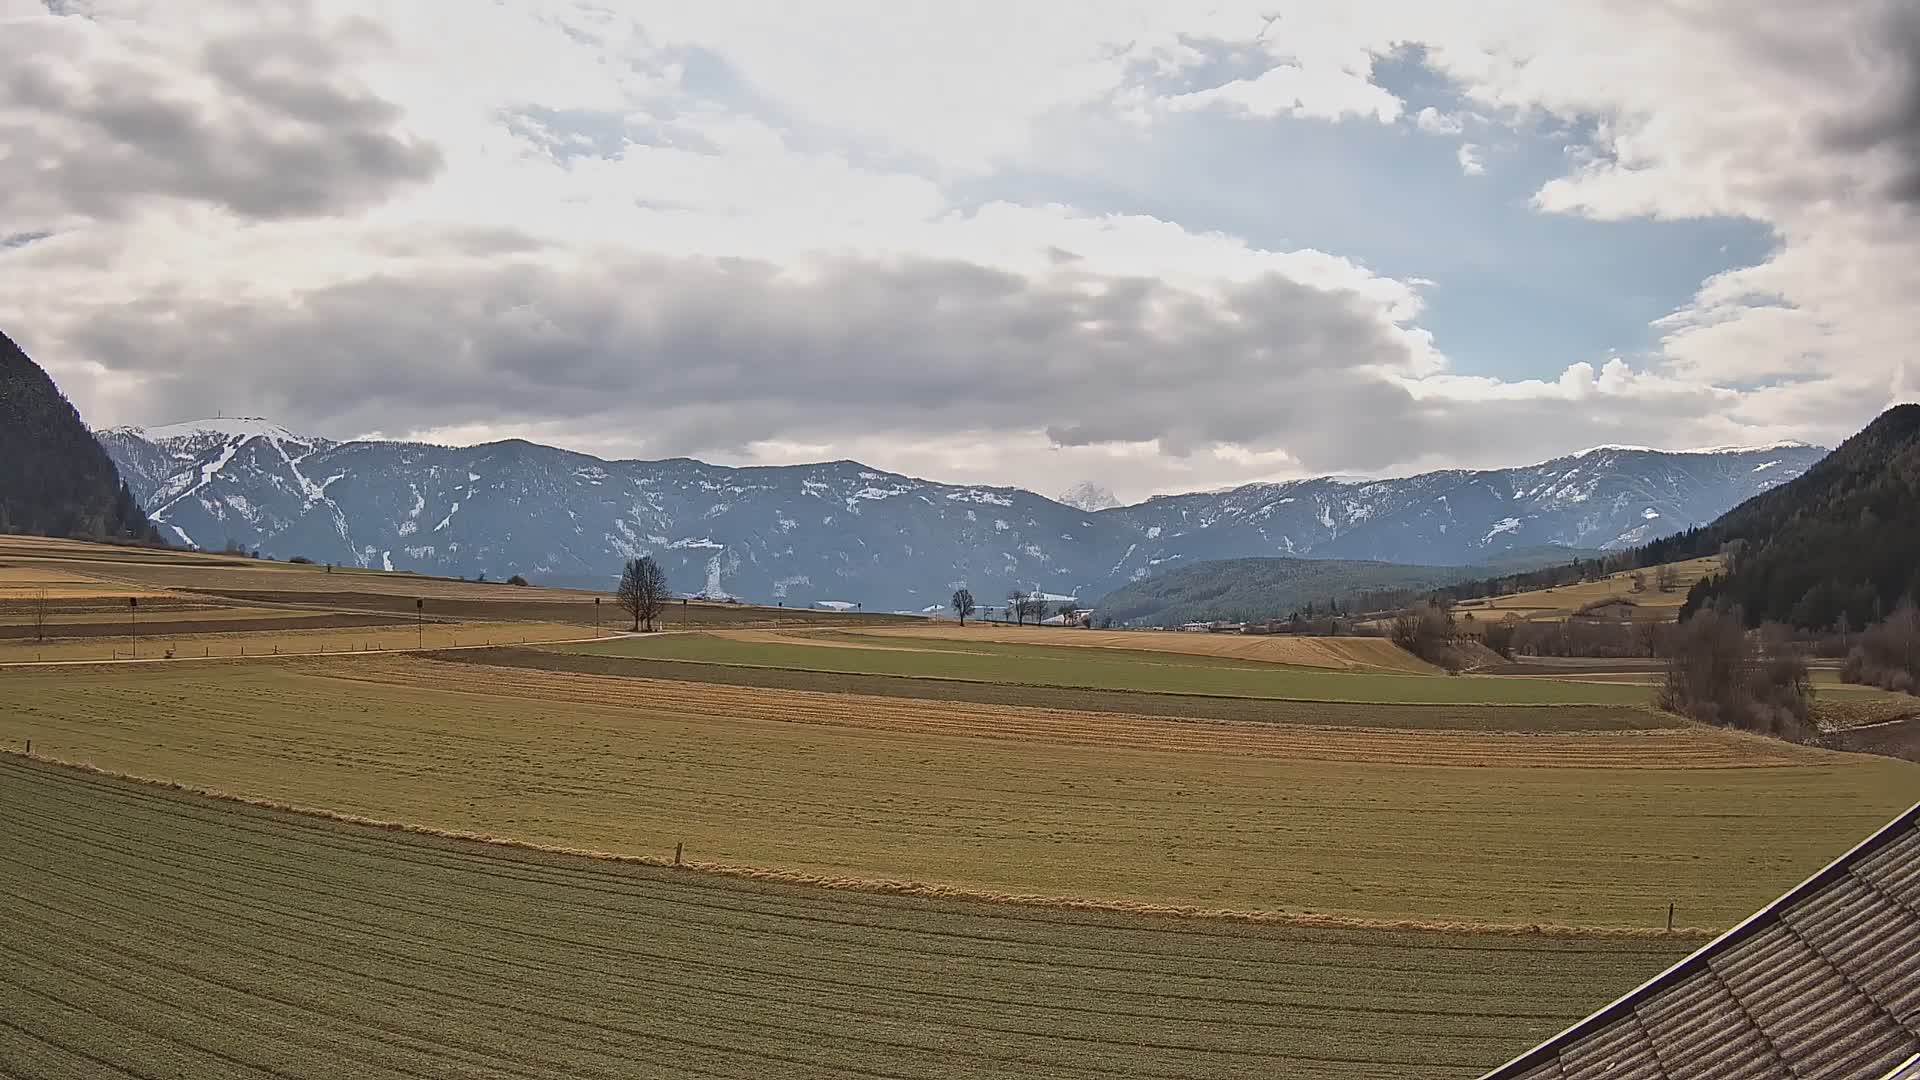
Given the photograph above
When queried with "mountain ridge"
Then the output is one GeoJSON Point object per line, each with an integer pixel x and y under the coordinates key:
{"type": "Point", "coordinates": [844, 531]}
{"type": "Point", "coordinates": [55, 478]}
{"type": "Point", "coordinates": [1838, 545]}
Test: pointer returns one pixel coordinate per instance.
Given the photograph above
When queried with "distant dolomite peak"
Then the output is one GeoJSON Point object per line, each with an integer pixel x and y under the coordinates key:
{"type": "Point", "coordinates": [1089, 496]}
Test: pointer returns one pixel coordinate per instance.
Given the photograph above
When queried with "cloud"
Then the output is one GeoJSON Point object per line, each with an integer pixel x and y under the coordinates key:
{"type": "Point", "coordinates": [1434, 122]}
{"type": "Point", "coordinates": [1889, 126]}
{"type": "Point", "coordinates": [97, 117]}
{"type": "Point", "coordinates": [705, 355]}
{"type": "Point", "coordinates": [758, 232]}
{"type": "Point", "coordinates": [1321, 92]}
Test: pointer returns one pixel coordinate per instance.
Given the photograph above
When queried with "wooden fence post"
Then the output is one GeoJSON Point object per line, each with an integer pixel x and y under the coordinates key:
{"type": "Point", "coordinates": [676, 848]}
{"type": "Point", "coordinates": [1669, 918]}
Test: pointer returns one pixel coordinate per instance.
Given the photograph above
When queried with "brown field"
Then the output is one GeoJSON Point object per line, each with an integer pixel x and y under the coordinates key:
{"type": "Point", "coordinates": [1658, 748]}
{"type": "Point", "coordinates": [1343, 654]}
{"type": "Point", "coordinates": [289, 640]}
{"type": "Point", "coordinates": [188, 622]}
{"type": "Point", "coordinates": [82, 581]}
{"type": "Point", "coordinates": [1562, 602]}
{"type": "Point", "coordinates": [26, 583]}
{"type": "Point", "coordinates": [1593, 829]}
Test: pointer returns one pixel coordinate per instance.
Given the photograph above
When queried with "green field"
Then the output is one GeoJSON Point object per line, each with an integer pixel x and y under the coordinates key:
{"type": "Point", "coordinates": [1597, 828]}
{"type": "Point", "coordinates": [1111, 669]}
{"type": "Point", "coordinates": [157, 934]}
{"type": "Point", "coordinates": [1124, 702]}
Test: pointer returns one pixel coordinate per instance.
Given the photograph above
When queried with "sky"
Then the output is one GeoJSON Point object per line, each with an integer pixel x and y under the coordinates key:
{"type": "Point", "coordinates": [1158, 246]}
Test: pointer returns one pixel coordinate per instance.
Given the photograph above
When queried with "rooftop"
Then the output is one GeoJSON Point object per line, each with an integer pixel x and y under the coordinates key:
{"type": "Point", "coordinates": [1822, 983]}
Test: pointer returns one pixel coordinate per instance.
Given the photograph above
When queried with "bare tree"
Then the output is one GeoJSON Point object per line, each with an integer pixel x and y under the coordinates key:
{"type": "Point", "coordinates": [1426, 631]}
{"type": "Point", "coordinates": [1639, 581]}
{"type": "Point", "coordinates": [1033, 607]}
{"type": "Point", "coordinates": [963, 604]}
{"type": "Point", "coordinates": [1718, 673]}
{"type": "Point", "coordinates": [1666, 578]}
{"type": "Point", "coordinates": [643, 590]}
{"type": "Point", "coordinates": [1017, 605]}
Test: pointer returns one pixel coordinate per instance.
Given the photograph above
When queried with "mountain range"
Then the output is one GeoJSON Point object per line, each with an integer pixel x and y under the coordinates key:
{"type": "Point", "coordinates": [844, 532]}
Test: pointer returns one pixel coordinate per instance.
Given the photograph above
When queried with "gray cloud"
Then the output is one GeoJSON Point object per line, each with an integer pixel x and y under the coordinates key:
{"type": "Point", "coordinates": [261, 123]}
{"type": "Point", "coordinates": [1889, 121]}
{"type": "Point", "coordinates": [706, 356]}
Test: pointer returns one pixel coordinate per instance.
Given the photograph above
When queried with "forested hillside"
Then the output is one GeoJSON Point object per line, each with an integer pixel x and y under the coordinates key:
{"type": "Point", "coordinates": [1245, 590]}
{"type": "Point", "coordinates": [1840, 542]}
{"type": "Point", "coordinates": [54, 478]}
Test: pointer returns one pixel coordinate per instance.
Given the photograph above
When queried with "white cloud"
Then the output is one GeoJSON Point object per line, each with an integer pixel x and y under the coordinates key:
{"type": "Point", "coordinates": [1434, 122]}
{"type": "Point", "coordinates": [1468, 155]}
{"type": "Point", "coordinates": [1321, 92]}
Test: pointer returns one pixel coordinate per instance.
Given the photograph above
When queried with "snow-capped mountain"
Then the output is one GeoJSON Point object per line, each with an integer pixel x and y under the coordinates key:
{"type": "Point", "coordinates": [842, 531]}
{"type": "Point", "coordinates": [1089, 496]}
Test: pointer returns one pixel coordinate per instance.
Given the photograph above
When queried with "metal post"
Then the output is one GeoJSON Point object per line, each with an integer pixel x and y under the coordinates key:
{"type": "Point", "coordinates": [420, 620]}
{"type": "Point", "coordinates": [596, 616]}
{"type": "Point", "coordinates": [133, 620]}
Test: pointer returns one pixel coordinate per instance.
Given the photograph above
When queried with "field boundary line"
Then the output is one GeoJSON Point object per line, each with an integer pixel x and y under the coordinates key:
{"type": "Point", "coordinates": [892, 887]}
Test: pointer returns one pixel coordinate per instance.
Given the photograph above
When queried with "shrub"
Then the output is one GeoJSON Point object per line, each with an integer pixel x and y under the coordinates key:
{"type": "Point", "coordinates": [1887, 654]}
{"type": "Point", "coordinates": [302, 560]}
{"type": "Point", "coordinates": [516, 580]}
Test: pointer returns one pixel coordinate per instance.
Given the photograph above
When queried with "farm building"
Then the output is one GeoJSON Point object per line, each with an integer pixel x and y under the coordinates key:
{"type": "Point", "coordinates": [1823, 982]}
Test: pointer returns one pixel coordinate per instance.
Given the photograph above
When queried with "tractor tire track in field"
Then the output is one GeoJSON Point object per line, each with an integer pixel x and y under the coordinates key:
{"type": "Point", "coordinates": [237, 941]}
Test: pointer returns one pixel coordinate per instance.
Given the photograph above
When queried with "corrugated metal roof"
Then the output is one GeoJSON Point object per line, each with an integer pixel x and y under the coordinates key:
{"type": "Point", "coordinates": [1822, 983]}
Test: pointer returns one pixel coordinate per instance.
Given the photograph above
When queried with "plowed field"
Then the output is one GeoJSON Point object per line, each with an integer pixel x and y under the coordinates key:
{"type": "Point", "coordinates": [993, 800]}
{"type": "Point", "coordinates": [148, 933]}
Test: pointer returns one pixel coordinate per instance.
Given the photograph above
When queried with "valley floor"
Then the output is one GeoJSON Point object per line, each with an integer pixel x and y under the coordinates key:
{"type": "Point", "coordinates": [910, 851]}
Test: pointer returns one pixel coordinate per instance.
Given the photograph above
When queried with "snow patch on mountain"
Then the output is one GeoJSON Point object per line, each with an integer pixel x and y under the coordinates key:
{"type": "Point", "coordinates": [1089, 496]}
{"type": "Point", "coordinates": [1507, 524]}
{"type": "Point", "coordinates": [567, 519]}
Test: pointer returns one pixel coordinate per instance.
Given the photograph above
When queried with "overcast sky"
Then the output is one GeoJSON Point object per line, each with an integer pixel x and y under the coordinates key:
{"type": "Point", "coordinates": [1158, 246]}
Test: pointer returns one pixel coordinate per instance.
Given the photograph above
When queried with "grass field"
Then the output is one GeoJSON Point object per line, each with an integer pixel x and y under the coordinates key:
{"type": "Point", "coordinates": [1062, 665]}
{"type": "Point", "coordinates": [995, 800]}
{"type": "Point", "coordinates": [152, 934]}
{"type": "Point", "coordinates": [1188, 706]}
